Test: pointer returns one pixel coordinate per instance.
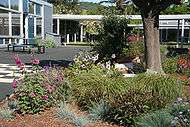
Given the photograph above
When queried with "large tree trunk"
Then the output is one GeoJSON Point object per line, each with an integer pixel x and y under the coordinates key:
{"type": "Point", "coordinates": [152, 43]}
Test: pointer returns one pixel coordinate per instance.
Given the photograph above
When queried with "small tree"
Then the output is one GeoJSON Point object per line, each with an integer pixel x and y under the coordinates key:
{"type": "Point", "coordinates": [150, 11]}
{"type": "Point", "coordinates": [111, 37]}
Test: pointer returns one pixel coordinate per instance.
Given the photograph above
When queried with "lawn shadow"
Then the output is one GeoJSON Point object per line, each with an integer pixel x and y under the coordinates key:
{"type": "Point", "coordinates": [55, 63]}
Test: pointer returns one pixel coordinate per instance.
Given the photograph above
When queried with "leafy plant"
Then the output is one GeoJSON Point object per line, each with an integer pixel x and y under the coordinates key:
{"type": "Point", "coordinates": [111, 37]}
{"type": "Point", "coordinates": [65, 113]}
{"type": "Point", "coordinates": [160, 118]}
{"type": "Point", "coordinates": [6, 113]}
{"type": "Point", "coordinates": [49, 43]}
{"type": "Point", "coordinates": [170, 65]}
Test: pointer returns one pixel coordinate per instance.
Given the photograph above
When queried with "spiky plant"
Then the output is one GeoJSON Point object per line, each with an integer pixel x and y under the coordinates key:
{"type": "Point", "coordinates": [156, 119]}
{"type": "Point", "coordinates": [6, 113]}
{"type": "Point", "coordinates": [64, 113]}
{"type": "Point", "coordinates": [98, 111]}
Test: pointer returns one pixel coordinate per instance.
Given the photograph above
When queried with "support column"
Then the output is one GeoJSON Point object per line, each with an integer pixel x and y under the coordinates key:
{"type": "Point", "coordinates": [43, 23]}
{"type": "Point", "coordinates": [182, 32]}
{"type": "Point", "coordinates": [10, 26]}
{"type": "Point", "coordinates": [68, 38]}
{"type": "Point", "coordinates": [75, 38]}
{"type": "Point", "coordinates": [81, 33]}
{"type": "Point", "coordinates": [58, 26]}
{"type": "Point", "coordinates": [189, 36]}
{"type": "Point", "coordinates": [178, 33]}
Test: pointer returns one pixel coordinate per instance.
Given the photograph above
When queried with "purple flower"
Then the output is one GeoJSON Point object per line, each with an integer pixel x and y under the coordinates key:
{"type": "Point", "coordinates": [50, 88]}
{"type": "Point", "coordinates": [45, 97]}
{"type": "Point", "coordinates": [14, 84]}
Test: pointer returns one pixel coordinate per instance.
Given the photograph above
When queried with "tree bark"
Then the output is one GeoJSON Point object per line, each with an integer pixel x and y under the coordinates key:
{"type": "Point", "coordinates": [152, 43]}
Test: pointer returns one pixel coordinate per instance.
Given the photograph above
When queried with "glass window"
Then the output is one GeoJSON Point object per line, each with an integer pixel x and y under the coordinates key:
{"type": "Point", "coordinates": [55, 26]}
{"type": "Point", "coordinates": [38, 9]}
{"type": "Point", "coordinates": [38, 26]}
{"type": "Point", "coordinates": [15, 4]}
{"type": "Point", "coordinates": [31, 8]}
{"type": "Point", "coordinates": [4, 3]}
{"type": "Point", "coordinates": [4, 22]}
{"type": "Point", "coordinates": [25, 6]}
{"type": "Point", "coordinates": [15, 24]}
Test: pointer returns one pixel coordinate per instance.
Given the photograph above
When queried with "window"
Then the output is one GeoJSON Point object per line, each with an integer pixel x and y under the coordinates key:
{"type": "Point", "coordinates": [4, 22]}
{"type": "Point", "coordinates": [38, 26]}
{"type": "Point", "coordinates": [38, 9]}
{"type": "Point", "coordinates": [15, 24]}
{"type": "Point", "coordinates": [31, 8]}
{"type": "Point", "coordinates": [15, 4]}
{"type": "Point", "coordinates": [4, 3]}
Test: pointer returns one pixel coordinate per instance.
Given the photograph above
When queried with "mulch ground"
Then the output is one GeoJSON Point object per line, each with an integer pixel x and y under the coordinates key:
{"type": "Point", "coordinates": [48, 119]}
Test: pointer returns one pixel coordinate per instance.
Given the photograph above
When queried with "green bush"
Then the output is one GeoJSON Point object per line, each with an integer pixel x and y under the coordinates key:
{"type": "Point", "coordinates": [170, 65]}
{"type": "Point", "coordinates": [49, 43]}
{"type": "Point", "coordinates": [40, 90]}
{"type": "Point", "coordinates": [127, 97]}
{"type": "Point", "coordinates": [133, 50]}
{"type": "Point", "coordinates": [112, 37]}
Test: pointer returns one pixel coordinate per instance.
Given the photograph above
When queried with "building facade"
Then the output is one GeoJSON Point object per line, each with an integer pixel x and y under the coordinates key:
{"type": "Point", "coordinates": [21, 21]}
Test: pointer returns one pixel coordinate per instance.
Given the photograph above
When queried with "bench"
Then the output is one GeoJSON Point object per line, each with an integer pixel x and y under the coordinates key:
{"type": "Point", "coordinates": [40, 49]}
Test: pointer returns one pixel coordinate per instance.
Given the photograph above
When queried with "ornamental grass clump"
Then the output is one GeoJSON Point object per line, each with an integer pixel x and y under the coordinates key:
{"type": "Point", "coordinates": [64, 112]}
{"type": "Point", "coordinates": [127, 98]}
{"type": "Point", "coordinates": [6, 113]}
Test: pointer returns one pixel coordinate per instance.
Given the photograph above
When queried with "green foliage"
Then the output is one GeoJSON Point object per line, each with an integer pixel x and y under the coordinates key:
{"type": "Point", "coordinates": [49, 42]}
{"type": "Point", "coordinates": [64, 112]}
{"type": "Point", "coordinates": [133, 50]}
{"type": "Point", "coordinates": [156, 119]}
{"type": "Point", "coordinates": [177, 9]}
{"type": "Point", "coordinates": [6, 113]}
{"type": "Point", "coordinates": [169, 65]}
{"type": "Point", "coordinates": [126, 98]}
{"type": "Point", "coordinates": [40, 90]}
{"type": "Point", "coordinates": [112, 36]}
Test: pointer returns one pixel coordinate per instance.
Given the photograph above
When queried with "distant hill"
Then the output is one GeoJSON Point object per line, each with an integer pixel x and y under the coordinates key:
{"type": "Point", "coordinates": [88, 5]}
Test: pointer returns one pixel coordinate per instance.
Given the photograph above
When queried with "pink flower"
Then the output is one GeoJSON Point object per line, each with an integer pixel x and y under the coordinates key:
{"type": "Point", "coordinates": [35, 61]}
{"type": "Point", "coordinates": [32, 94]}
{"type": "Point", "coordinates": [14, 84]}
{"type": "Point", "coordinates": [50, 88]}
{"type": "Point", "coordinates": [22, 66]}
{"type": "Point", "coordinates": [45, 97]}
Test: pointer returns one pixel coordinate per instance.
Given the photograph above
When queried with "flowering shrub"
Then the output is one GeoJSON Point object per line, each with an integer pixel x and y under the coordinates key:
{"type": "Point", "coordinates": [184, 65]}
{"type": "Point", "coordinates": [40, 90]}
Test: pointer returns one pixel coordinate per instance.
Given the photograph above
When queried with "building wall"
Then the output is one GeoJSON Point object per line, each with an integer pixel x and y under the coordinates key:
{"type": "Point", "coordinates": [48, 20]}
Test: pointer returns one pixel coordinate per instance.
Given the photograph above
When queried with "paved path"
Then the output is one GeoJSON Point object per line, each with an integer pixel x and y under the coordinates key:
{"type": "Point", "coordinates": [8, 70]}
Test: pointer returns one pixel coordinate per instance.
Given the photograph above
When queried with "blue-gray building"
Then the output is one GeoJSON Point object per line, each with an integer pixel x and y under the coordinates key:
{"type": "Point", "coordinates": [23, 20]}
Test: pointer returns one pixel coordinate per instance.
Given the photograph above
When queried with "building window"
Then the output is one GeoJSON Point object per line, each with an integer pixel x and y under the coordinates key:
{"type": "Point", "coordinates": [38, 9]}
{"type": "Point", "coordinates": [4, 3]}
{"type": "Point", "coordinates": [15, 24]}
{"type": "Point", "coordinates": [4, 22]}
{"type": "Point", "coordinates": [55, 26]}
{"type": "Point", "coordinates": [38, 26]}
{"type": "Point", "coordinates": [31, 8]}
{"type": "Point", "coordinates": [15, 4]}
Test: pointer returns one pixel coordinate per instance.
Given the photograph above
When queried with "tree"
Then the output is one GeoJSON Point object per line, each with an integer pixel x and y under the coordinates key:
{"type": "Point", "coordinates": [150, 11]}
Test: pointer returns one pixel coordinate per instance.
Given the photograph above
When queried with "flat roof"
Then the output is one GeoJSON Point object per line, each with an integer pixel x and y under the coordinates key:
{"type": "Point", "coordinates": [99, 17]}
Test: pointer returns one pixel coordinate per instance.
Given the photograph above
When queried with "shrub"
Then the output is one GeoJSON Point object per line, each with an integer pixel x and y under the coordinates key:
{"type": "Point", "coordinates": [170, 65]}
{"type": "Point", "coordinates": [40, 90]}
{"type": "Point", "coordinates": [49, 42]}
{"type": "Point", "coordinates": [133, 50]}
{"type": "Point", "coordinates": [64, 112]}
{"type": "Point", "coordinates": [6, 113]}
{"type": "Point", "coordinates": [126, 98]}
{"type": "Point", "coordinates": [156, 119]}
{"type": "Point", "coordinates": [112, 37]}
